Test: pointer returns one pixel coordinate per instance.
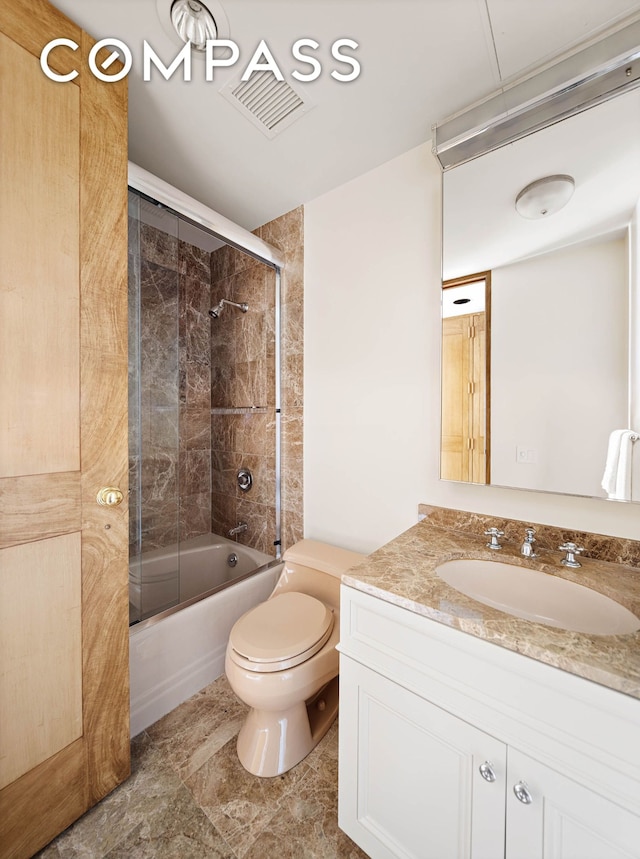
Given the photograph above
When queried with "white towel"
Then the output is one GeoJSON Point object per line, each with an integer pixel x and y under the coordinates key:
{"type": "Point", "coordinates": [616, 480]}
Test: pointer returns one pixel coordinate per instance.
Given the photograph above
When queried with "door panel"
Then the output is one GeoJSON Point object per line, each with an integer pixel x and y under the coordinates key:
{"type": "Point", "coordinates": [39, 385]}
{"type": "Point", "coordinates": [455, 419]}
{"type": "Point", "coordinates": [41, 658]}
{"type": "Point", "coordinates": [564, 819]}
{"type": "Point", "coordinates": [63, 367]}
{"type": "Point", "coordinates": [38, 506]}
{"type": "Point", "coordinates": [416, 791]}
{"type": "Point", "coordinates": [32, 816]}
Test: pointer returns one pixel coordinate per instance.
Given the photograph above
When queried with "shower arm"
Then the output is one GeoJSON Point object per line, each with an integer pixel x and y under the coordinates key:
{"type": "Point", "coordinates": [242, 306]}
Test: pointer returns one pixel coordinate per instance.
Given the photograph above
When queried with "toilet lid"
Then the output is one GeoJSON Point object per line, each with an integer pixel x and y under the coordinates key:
{"type": "Point", "coordinates": [282, 628]}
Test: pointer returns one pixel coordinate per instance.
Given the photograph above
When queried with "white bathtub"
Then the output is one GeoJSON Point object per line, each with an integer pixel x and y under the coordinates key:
{"type": "Point", "coordinates": [174, 656]}
{"type": "Point", "coordinates": [166, 577]}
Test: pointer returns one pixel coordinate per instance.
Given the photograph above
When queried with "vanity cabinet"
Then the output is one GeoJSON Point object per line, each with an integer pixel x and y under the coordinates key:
{"type": "Point", "coordinates": [439, 731]}
{"type": "Point", "coordinates": [412, 770]}
{"type": "Point", "coordinates": [564, 819]}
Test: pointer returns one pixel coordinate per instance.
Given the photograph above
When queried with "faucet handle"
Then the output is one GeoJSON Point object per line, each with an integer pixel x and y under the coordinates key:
{"type": "Point", "coordinates": [527, 547]}
{"type": "Point", "coordinates": [572, 550]}
{"type": "Point", "coordinates": [494, 533]}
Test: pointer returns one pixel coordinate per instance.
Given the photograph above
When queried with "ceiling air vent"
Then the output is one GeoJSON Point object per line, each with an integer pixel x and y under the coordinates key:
{"type": "Point", "coordinates": [271, 105]}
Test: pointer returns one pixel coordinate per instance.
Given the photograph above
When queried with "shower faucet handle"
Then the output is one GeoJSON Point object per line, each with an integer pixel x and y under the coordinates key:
{"type": "Point", "coordinates": [239, 528]}
{"type": "Point", "coordinates": [244, 479]}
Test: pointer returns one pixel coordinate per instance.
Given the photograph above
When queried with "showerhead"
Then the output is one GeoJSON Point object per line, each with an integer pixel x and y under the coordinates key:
{"type": "Point", "coordinates": [215, 312]}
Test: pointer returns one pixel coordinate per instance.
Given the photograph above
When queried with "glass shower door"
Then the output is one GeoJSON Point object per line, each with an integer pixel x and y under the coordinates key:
{"type": "Point", "coordinates": [154, 387]}
{"type": "Point", "coordinates": [203, 402]}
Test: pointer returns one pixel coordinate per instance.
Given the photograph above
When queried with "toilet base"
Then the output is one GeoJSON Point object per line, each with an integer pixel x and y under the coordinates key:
{"type": "Point", "coordinates": [273, 741]}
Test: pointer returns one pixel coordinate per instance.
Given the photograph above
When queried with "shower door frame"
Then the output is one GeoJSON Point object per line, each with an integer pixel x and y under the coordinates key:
{"type": "Point", "coordinates": [194, 212]}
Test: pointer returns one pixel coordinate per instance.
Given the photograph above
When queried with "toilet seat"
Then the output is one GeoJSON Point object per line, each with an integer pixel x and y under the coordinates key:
{"type": "Point", "coordinates": [280, 633]}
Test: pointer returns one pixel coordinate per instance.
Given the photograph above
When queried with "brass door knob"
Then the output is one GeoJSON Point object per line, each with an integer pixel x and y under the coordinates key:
{"type": "Point", "coordinates": [109, 496]}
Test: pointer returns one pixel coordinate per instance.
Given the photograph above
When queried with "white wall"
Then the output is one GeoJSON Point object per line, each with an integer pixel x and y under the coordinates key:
{"type": "Point", "coordinates": [559, 366]}
{"type": "Point", "coordinates": [372, 369]}
{"type": "Point", "coordinates": [366, 384]}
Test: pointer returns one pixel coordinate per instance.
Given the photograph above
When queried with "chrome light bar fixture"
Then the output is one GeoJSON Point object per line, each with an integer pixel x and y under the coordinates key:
{"type": "Point", "coordinates": [605, 68]}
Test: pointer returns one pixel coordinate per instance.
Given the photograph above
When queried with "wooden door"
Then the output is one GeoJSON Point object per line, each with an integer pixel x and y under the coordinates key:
{"type": "Point", "coordinates": [410, 782]}
{"type": "Point", "coordinates": [463, 454]}
{"type": "Point", "coordinates": [64, 696]}
{"type": "Point", "coordinates": [455, 462]}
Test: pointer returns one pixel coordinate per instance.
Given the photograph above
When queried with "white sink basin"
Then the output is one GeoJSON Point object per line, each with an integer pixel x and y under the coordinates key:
{"type": "Point", "coordinates": [538, 596]}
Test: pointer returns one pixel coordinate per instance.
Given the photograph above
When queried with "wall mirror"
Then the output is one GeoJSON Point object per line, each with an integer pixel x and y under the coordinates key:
{"type": "Point", "coordinates": [561, 319]}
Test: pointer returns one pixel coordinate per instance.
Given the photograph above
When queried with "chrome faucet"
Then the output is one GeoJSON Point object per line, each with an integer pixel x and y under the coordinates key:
{"type": "Point", "coordinates": [572, 550]}
{"type": "Point", "coordinates": [239, 528]}
{"type": "Point", "coordinates": [527, 550]}
{"type": "Point", "coordinates": [494, 533]}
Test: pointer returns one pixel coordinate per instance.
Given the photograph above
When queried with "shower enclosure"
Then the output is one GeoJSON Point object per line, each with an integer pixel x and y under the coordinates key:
{"type": "Point", "coordinates": [204, 394]}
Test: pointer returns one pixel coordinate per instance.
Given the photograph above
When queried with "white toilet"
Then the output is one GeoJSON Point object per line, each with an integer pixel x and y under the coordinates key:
{"type": "Point", "coordinates": [282, 660]}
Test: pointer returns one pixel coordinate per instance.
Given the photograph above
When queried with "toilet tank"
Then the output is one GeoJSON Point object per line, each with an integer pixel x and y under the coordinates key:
{"type": "Point", "coordinates": [315, 568]}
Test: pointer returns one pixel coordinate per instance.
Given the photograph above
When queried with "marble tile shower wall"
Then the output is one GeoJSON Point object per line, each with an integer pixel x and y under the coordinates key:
{"type": "Point", "coordinates": [243, 389]}
{"type": "Point", "coordinates": [173, 461]}
{"type": "Point", "coordinates": [243, 397]}
{"type": "Point", "coordinates": [194, 391]}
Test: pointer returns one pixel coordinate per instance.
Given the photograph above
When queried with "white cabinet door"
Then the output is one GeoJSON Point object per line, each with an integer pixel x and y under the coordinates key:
{"type": "Point", "coordinates": [563, 820]}
{"type": "Point", "coordinates": [410, 782]}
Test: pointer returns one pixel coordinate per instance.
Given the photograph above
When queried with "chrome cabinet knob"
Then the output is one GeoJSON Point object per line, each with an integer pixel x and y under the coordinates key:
{"type": "Point", "coordinates": [109, 496]}
{"type": "Point", "coordinates": [522, 793]}
{"type": "Point", "coordinates": [487, 772]}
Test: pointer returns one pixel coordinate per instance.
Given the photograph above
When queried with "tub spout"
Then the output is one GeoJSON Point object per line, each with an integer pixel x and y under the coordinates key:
{"type": "Point", "coordinates": [239, 528]}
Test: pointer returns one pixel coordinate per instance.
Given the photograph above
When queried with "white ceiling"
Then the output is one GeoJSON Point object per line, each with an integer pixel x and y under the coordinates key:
{"type": "Point", "coordinates": [422, 60]}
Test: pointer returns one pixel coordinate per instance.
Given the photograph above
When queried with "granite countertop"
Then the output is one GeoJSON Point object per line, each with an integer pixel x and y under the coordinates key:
{"type": "Point", "coordinates": [403, 573]}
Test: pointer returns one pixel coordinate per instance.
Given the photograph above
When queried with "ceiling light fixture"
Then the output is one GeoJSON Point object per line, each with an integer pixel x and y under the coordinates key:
{"type": "Point", "coordinates": [545, 196]}
{"type": "Point", "coordinates": [581, 78]}
{"type": "Point", "coordinates": [193, 22]}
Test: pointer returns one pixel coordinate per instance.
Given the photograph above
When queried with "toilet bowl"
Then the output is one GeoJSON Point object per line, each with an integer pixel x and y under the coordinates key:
{"type": "Point", "coordinates": [282, 661]}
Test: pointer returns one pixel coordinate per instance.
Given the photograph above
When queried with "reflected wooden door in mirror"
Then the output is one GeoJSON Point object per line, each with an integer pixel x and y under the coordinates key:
{"type": "Point", "coordinates": [464, 451]}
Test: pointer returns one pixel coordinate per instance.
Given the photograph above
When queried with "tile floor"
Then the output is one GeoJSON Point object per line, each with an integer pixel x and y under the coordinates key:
{"type": "Point", "coordinates": [188, 797]}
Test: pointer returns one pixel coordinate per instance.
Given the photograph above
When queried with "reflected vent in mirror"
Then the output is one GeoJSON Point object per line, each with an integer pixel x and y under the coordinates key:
{"type": "Point", "coordinates": [271, 105]}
